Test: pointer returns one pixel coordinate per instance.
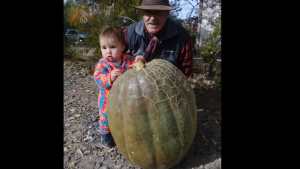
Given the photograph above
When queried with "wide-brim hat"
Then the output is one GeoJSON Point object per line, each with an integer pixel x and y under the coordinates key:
{"type": "Point", "coordinates": [159, 5]}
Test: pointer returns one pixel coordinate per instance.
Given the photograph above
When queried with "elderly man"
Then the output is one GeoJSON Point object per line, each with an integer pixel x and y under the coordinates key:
{"type": "Point", "coordinates": [157, 36]}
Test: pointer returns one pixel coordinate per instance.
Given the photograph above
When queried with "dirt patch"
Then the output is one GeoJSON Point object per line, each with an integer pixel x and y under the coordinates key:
{"type": "Point", "coordinates": [81, 140]}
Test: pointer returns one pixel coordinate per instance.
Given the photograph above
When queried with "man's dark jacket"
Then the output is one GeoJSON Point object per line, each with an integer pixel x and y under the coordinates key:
{"type": "Point", "coordinates": [174, 44]}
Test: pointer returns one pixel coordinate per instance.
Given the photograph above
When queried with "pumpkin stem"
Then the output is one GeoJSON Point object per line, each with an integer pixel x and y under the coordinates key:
{"type": "Point", "coordinates": [139, 65]}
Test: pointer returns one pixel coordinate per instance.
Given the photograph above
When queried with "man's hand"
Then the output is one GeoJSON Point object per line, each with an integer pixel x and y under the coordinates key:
{"type": "Point", "coordinates": [139, 58]}
{"type": "Point", "coordinates": [114, 74]}
{"type": "Point", "coordinates": [139, 62]}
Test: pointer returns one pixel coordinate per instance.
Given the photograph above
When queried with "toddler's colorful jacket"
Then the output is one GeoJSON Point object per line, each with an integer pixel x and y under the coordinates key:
{"type": "Point", "coordinates": [102, 76]}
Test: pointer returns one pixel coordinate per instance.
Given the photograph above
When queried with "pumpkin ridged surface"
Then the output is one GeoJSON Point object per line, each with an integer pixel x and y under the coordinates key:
{"type": "Point", "coordinates": [152, 115]}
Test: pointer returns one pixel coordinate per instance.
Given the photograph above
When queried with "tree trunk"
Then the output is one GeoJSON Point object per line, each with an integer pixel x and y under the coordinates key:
{"type": "Point", "coordinates": [198, 38]}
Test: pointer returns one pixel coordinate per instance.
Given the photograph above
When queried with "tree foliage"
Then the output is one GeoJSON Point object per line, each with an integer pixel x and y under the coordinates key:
{"type": "Point", "coordinates": [211, 50]}
{"type": "Point", "coordinates": [92, 15]}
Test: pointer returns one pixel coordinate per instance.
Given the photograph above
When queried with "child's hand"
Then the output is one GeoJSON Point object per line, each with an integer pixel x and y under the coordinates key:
{"type": "Point", "coordinates": [115, 73]}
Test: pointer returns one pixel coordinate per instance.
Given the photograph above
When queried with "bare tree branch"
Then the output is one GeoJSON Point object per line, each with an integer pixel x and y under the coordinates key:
{"type": "Point", "coordinates": [191, 12]}
{"type": "Point", "coordinates": [198, 39]}
{"type": "Point", "coordinates": [190, 3]}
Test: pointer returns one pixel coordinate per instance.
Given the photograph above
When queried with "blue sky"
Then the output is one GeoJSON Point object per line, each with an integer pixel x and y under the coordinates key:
{"type": "Point", "coordinates": [186, 8]}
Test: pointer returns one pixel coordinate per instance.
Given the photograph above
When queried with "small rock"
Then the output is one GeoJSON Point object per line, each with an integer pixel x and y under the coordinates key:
{"type": "Point", "coordinates": [71, 118]}
{"type": "Point", "coordinates": [87, 152]}
{"type": "Point", "coordinates": [98, 164]}
{"type": "Point", "coordinates": [99, 145]}
{"type": "Point", "coordinates": [88, 139]}
{"type": "Point", "coordinates": [79, 152]}
{"type": "Point", "coordinates": [77, 115]}
{"type": "Point", "coordinates": [72, 164]}
{"type": "Point", "coordinates": [119, 166]}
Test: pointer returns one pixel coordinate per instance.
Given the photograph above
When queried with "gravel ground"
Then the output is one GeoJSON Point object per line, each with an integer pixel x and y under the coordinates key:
{"type": "Point", "coordinates": [81, 140]}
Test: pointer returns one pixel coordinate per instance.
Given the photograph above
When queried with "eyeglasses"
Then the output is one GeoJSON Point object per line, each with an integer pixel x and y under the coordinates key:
{"type": "Point", "coordinates": [153, 13]}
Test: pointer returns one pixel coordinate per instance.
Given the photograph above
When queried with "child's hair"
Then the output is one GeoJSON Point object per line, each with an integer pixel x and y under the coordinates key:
{"type": "Point", "coordinates": [108, 31]}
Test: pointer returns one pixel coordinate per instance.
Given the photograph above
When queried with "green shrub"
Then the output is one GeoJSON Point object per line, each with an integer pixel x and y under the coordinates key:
{"type": "Point", "coordinates": [209, 50]}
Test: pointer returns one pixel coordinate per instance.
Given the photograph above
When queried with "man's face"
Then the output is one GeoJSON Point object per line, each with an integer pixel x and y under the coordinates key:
{"type": "Point", "coordinates": [154, 20]}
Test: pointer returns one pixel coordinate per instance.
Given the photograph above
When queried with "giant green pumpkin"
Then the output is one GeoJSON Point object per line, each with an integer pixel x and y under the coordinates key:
{"type": "Point", "coordinates": [152, 115]}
